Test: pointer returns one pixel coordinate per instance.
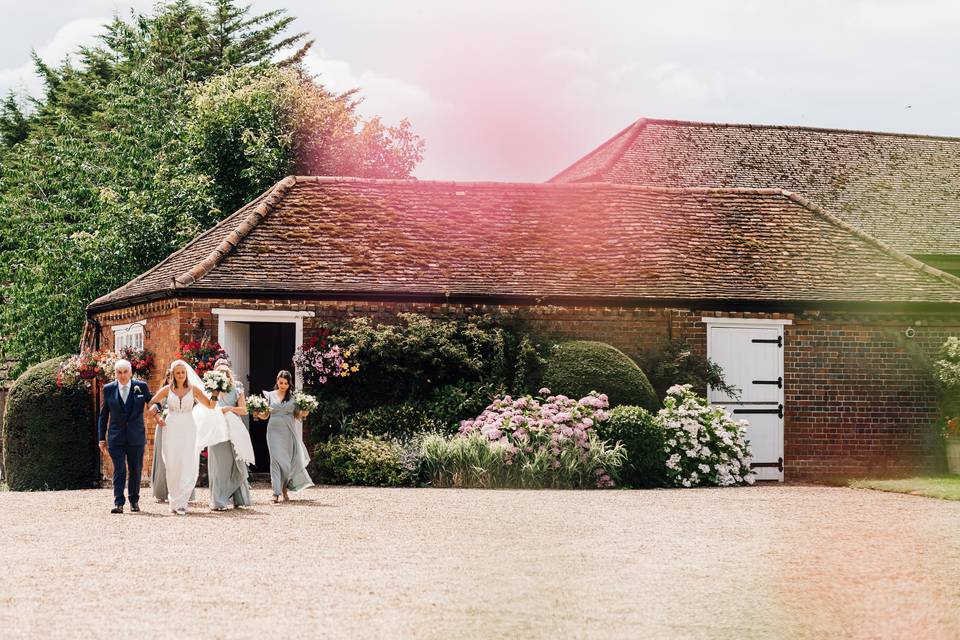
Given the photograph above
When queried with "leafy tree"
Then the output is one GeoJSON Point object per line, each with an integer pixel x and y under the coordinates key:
{"type": "Point", "coordinates": [173, 121]}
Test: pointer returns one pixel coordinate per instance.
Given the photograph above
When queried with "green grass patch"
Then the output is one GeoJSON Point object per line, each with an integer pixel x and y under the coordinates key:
{"type": "Point", "coordinates": [944, 487]}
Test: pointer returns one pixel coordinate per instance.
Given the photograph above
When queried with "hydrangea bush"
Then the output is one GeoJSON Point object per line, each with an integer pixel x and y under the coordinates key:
{"type": "Point", "coordinates": [947, 367]}
{"type": "Point", "coordinates": [703, 443]}
{"type": "Point", "coordinates": [544, 441]}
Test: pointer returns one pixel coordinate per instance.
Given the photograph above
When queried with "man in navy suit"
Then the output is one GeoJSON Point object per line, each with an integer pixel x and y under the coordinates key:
{"type": "Point", "coordinates": [121, 431]}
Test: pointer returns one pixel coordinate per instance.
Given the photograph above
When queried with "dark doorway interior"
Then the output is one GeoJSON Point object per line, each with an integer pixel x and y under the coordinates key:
{"type": "Point", "coordinates": [271, 350]}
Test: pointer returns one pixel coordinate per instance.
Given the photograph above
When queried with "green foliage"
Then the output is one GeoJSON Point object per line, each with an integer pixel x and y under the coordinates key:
{"type": "Point", "coordinates": [401, 421]}
{"type": "Point", "coordinates": [162, 129]}
{"type": "Point", "coordinates": [643, 438]}
{"type": "Point", "coordinates": [410, 359]}
{"type": "Point", "coordinates": [946, 371]}
{"type": "Point", "coordinates": [363, 460]}
{"type": "Point", "coordinates": [674, 362]}
{"type": "Point", "coordinates": [48, 439]}
{"type": "Point", "coordinates": [578, 367]}
{"type": "Point", "coordinates": [251, 127]}
{"type": "Point", "coordinates": [450, 404]}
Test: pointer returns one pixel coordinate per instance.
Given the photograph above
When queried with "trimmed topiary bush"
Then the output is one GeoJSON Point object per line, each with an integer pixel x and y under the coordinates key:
{"type": "Point", "coordinates": [576, 368]}
{"type": "Point", "coordinates": [48, 438]}
{"type": "Point", "coordinates": [643, 438]}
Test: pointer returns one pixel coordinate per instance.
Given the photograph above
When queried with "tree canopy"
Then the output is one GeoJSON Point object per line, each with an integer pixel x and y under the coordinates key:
{"type": "Point", "coordinates": [175, 119]}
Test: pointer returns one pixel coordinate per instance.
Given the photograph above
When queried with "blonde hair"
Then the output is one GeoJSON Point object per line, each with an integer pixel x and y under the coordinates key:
{"type": "Point", "coordinates": [173, 378]}
{"type": "Point", "coordinates": [223, 362]}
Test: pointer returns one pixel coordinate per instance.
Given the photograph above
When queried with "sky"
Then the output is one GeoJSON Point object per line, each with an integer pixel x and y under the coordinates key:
{"type": "Point", "coordinates": [517, 90]}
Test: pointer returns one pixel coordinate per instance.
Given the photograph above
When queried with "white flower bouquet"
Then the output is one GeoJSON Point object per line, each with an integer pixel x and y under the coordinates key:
{"type": "Point", "coordinates": [304, 403]}
{"type": "Point", "coordinates": [258, 406]}
{"type": "Point", "coordinates": [217, 381]}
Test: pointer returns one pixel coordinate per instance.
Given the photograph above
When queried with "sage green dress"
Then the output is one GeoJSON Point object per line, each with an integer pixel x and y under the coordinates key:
{"type": "Point", "coordinates": [158, 472]}
{"type": "Point", "coordinates": [288, 455]}
{"type": "Point", "coordinates": [228, 475]}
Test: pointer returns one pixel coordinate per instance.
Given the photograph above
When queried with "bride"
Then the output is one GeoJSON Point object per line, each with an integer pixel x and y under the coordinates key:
{"type": "Point", "coordinates": [181, 455]}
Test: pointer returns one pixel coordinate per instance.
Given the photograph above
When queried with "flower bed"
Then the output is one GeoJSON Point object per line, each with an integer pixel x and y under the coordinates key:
{"type": "Point", "coordinates": [527, 442]}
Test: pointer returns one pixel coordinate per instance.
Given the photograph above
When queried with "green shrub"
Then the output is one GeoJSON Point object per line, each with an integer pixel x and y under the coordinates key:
{"type": "Point", "coordinates": [409, 359]}
{"type": "Point", "coordinates": [643, 438]}
{"type": "Point", "coordinates": [674, 362]}
{"type": "Point", "coordinates": [364, 460]}
{"type": "Point", "coordinates": [398, 421]}
{"type": "Point", "coordinates": [576, 368]}
{"type": "Point", "coordinates": [452, 403]}
{"type": "Point", "coordinates": [49, 441]}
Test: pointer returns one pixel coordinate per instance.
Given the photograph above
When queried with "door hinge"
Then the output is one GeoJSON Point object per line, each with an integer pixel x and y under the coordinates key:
{"type": "Point", "coordinates": [778, 465]}
{"type": "Point", "coordinates": [778, 411]}
{"type": "Point", "coordinates": [778, 382]}
{"type": "Point", "coordinates": [778, 341]}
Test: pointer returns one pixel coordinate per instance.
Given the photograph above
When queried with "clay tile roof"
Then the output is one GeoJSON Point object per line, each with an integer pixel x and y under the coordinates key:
{"type": "Point", "coordinates": [348, 236]}
{"type": "Point", "coordinates": [902, 189]}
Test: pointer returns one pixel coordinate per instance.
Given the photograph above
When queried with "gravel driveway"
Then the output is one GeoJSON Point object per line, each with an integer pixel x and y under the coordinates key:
{"type": "Point", "coordinates": [760, 562]}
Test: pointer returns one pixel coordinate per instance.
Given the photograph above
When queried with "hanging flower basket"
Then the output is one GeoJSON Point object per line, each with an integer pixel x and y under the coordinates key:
{"type": "Point", "coordinates": [319, 361]}
{"type": "Point", "coordinates": [86, 367]}
{"type": "Point", "coordinates": [141, 361]}
{"type": "Point", "coordinates": [200, 355]}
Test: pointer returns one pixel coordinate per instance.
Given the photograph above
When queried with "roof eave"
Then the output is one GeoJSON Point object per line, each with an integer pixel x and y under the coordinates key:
{"type": "Point", "coordinates": [704, 303]}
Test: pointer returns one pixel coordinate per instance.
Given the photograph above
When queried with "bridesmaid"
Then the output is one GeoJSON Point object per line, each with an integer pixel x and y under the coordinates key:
{"type": "Point", "coordinates": [158, 472]}
{"type": "Point", "coordinates": [228, 475]}
{"type": "Point", "coordinates": [288, 455]}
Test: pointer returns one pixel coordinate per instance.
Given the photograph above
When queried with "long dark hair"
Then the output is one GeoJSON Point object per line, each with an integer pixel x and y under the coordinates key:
{"type": "Point", "coordinates": [286, 375]}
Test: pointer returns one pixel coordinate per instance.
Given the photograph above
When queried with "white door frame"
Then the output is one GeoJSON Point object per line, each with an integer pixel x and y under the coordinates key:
{"type": "Point", "coordinates": [256, 315]}
{"type": "Point", "coordinates": [759, 323]}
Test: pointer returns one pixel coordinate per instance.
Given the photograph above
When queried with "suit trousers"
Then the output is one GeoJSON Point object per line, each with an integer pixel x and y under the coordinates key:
{"type": "Point", "coordinates": [123, 456]}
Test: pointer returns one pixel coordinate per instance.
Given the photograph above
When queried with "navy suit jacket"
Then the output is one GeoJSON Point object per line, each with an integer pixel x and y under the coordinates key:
{"type": "Point", "coordinates": [123, 421]}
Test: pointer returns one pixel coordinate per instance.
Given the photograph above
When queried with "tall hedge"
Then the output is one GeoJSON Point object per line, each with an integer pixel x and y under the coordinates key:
{"type": "Point", "coordinates": [578, 367]}
{"type": "Point", "coordinates": [48, 436]}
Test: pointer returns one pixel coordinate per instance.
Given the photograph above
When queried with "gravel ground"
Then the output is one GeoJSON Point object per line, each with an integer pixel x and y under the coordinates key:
{"type": "Point", "coordinates": [760, 562]}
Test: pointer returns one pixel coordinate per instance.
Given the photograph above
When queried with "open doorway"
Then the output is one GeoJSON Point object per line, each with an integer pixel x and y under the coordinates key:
{"type": "Point", "coordinates": [260, 344]}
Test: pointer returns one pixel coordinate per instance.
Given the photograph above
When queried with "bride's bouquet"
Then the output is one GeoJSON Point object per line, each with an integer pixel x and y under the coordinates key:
{"type": "Point", "coordinates": [216, 381]}
{"type": "Point", "coordinates": [257, 406]}
{"type": "Point", "coordinates": [304, 403]}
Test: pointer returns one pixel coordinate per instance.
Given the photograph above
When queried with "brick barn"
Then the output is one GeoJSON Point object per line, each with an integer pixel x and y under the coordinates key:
{"type": "Point", "coordinates": [825, 328]}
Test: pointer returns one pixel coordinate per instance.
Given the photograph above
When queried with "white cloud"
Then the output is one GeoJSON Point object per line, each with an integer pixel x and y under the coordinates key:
{"type": "Point", "coordinates": [389, 97]}
{"type": "Point", "coordinates": [572, 57]}
{"type": "Point", "coordinates": [677, 80]}
{"type": "Point", "coordinates": [23, 80]}
{"type": "Point", "coordinates": [920, 17]}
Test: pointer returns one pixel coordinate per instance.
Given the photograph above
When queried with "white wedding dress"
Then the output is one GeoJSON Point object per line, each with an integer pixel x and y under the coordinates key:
{"type": "Point", "coordinates": [179, 449]}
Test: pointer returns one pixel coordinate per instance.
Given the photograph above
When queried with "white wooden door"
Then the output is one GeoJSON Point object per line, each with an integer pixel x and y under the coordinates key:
{"type": "Point", "coordinates": [752, 359]}
{"type": "Point", "coordinates": [236, 342]}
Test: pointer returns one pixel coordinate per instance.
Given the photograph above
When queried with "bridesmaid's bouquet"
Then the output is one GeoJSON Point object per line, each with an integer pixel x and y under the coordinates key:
{"type": "Point", "coordinates": [257, 406]}
{"type": "Point", "coordinates": [304, 403]}
{"type": "Point", "coordinates": [216, 381]}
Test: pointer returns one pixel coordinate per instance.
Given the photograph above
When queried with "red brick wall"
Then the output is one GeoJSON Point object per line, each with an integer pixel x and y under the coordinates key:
{"type": "Point", "coordinates": [857, 399]}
